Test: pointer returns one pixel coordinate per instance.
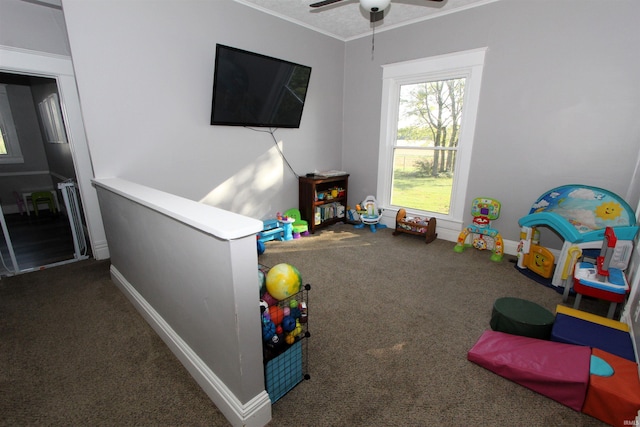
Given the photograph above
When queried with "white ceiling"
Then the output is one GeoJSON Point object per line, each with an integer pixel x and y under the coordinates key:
{"type": "Point", "coordinates": [345, 20]}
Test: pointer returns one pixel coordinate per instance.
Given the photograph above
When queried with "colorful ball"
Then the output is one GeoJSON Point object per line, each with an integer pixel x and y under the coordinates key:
{"type": "Point", "coordinates": [268, 331]}
{"type": "Point", "coordinates": [277, 314]}
{"type": "Point", "coordinates": [295, 313]}
{"type": "Point", "coordinates": [283, 281]}
{"type": "Point", "coordinates": [263, 306]}
{"type": "Point", "coordinates": [298, 330]}
{"type": "Point", "coordinates": [288, 323]}
{"type": "Point", "coordinates": [266, 297]}
{"type": "Point", "coordinates": [261, 281]}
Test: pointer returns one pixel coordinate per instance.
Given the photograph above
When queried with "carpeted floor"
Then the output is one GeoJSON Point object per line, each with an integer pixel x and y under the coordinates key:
{"type": "Point", "coordinates": [391, 321]}
{"type": "Point", "coordinates": [75, 352]}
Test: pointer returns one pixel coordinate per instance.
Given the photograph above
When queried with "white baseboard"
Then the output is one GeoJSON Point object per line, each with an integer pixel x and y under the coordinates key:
{"type": "Point", "coordinates": [100, 249]}
{"type": "Point", "coordinates": [255, 413]}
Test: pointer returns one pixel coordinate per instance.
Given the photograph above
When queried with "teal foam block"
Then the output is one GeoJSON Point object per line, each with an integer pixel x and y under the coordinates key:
{"type": "Point", "coordinates": [600, 367]}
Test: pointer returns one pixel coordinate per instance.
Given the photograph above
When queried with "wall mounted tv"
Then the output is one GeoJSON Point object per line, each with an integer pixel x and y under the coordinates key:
{"type": "Point", "coordinates": [250, 89]}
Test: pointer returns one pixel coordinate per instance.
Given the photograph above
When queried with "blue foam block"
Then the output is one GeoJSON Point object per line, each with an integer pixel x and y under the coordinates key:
{"type": "Point", "coordinates": [572, 330]}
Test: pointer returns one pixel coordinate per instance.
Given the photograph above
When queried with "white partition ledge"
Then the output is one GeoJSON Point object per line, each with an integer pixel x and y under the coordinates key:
{"type": "Point", "coordinates": [191, 270]}
{"type": "Point", "coordinates": [227, 225]}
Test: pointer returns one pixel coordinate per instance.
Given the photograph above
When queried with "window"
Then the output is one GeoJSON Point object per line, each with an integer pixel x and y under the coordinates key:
{"type": "Point", "coordinates": [9, 145]}
{"type": "Point", "coordinates": [428, 123]}
{"type": "Point", "coordinates": [52, 120]}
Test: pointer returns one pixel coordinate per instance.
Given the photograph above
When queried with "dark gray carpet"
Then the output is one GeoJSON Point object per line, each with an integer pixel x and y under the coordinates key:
{"type": "Point", "coordinates": [391, 321]}
{"type": "Point", "coordinates": [75, 352]}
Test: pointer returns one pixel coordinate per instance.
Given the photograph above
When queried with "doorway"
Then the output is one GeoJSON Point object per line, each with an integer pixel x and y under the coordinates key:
{"type": "Point", "coordinates": [60, 68]}
{"type": "Point", "coordinates": [37, 235]}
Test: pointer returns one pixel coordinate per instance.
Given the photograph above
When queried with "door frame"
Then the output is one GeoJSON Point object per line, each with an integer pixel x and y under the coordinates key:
{"type": "Point", "coordinates": [60, 68]}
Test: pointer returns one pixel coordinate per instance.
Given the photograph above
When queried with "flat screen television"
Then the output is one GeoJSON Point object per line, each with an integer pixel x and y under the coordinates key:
{"type": "Point", "coordinates": [250, 89]}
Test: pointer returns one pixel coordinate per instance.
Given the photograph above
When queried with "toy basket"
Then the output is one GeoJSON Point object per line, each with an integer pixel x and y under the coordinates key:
{"type": "Point", "coordinates": [286, 361]}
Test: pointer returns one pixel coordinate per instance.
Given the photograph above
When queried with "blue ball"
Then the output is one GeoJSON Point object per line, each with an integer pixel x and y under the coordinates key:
{"type": "Point", "coordinates": [268, 331]}
{"type": "Point", "coordinates": [295, 313]}
{"type": "Point", "coordinates": [288, 324]}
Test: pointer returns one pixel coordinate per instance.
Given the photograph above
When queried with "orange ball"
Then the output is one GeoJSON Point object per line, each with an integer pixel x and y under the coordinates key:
{"type": "Point", "coordinates": [277, 314]}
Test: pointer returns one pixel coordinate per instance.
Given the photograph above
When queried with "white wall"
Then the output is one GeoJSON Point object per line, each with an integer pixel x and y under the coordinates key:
{"type": "Point", "coordinates": [146, 80]}
{"type": "Point", "coordinates": [190, 269]}
{"type": "Point", "coordinates": [558, 104]}
{"type": "Point", "coordinates": [33, 27]}
{"type": "Point", "coordinates": [631, 311]}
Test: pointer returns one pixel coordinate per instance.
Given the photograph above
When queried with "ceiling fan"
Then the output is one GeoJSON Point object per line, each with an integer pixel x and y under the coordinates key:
{"type": "Point", "coordinates": [375, 8]}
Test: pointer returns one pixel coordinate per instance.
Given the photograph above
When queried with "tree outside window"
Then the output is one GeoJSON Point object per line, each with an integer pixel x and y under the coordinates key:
{"type": "Point", "coordinates": [429, 109]}
{"type": "Point", "coordinates": [424, 154]}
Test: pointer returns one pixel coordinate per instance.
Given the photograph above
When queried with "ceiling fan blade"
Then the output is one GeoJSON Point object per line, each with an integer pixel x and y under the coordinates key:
{"type": "Point", "coordinates": [376, 16]}
{"type": "Point", "coordinates": [324, 3]}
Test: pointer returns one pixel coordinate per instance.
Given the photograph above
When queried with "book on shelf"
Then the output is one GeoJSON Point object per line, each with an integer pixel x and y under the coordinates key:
{"type": "Point", "coordinates": [329, 211]}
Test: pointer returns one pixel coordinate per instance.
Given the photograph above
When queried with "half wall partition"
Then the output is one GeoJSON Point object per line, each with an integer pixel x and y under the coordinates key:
{"type": "Point", "coordinates": [191, 270]}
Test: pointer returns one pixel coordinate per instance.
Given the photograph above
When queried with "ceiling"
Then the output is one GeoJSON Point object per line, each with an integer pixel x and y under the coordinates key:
{"type": "Point", "coordinates": [345, 20]}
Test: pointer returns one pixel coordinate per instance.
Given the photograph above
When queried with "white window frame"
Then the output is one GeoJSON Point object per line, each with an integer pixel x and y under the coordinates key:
{"type": "Point", "coordinates": [52, 120]}
{"type": "Point", "coordinates": [8, 128]}
{"type": "Point", "coordinates": [467, 64]}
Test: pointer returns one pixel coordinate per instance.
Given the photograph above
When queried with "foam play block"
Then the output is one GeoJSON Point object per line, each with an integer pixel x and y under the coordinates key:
{"type": "Point", "coordinates": [521, 317]}
{"type": "Point", "coordinates": [615, 399]}
{"type": "Point", "coordinates": [574, 330]}
{"type": "Point", "coordinates": [605, 321]}
{"type": "Point", "coordinates": [556, 370]}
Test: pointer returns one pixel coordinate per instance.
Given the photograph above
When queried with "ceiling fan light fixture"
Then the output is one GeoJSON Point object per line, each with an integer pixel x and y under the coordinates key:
{"type": "Point", "coordinates": [374, 5]}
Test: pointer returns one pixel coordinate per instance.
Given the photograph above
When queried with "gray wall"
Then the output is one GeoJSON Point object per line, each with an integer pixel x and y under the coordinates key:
{"type": "Point", "coordinates": [146, 96]}
{"type": "Point", "coordinates": [558, 104]}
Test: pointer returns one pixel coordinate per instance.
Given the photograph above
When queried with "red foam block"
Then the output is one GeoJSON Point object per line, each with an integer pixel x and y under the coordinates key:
{"type": "Point", "coordinates": [615, 399]}
{"type": "Point", "coordinates": [556, 370]}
